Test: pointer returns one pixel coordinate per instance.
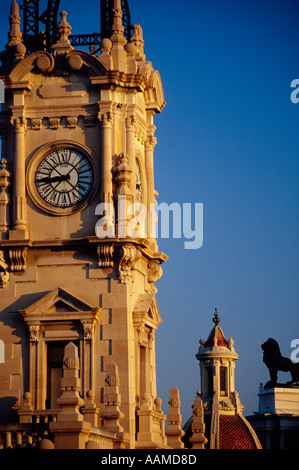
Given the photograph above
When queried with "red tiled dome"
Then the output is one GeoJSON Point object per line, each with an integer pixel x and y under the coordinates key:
{"type": "Point", "coordinates": [216, 338]}
{"type": "Point", "coordinates": [234, 434]}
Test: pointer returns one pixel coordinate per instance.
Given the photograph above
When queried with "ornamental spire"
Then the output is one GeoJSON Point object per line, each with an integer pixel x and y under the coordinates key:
{"type": "Point", "coordinates": [117, 25]}
{"type": "Point", "coordinates": [15, 35]}
{"type": "Point", "coordinates": [216, 318]}
{"type": "Point", "coordinates": [118, 39]}
{"type": "Point", "coordinates": [63, 44]}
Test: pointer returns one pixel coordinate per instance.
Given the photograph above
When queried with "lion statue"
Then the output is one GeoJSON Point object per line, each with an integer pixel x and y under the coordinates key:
{"type": "Point", "coordinates": [275, 361]}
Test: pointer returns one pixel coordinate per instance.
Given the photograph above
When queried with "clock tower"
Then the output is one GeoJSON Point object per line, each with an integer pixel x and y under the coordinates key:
{"type": "Point", "coordinates": [78, 261]}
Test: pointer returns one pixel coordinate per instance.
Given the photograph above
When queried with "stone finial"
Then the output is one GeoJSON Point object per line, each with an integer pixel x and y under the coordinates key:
{"type": "Point", "coordinates": [90, 411]}
{"type": "Point", "coordinates": [70, 399]}
{"type": "Point", "coordinates": [174, 431]}
{"type": "Point", "coordinates": [118, 39]}
{"type": "Point", "coordinates": [137, 40]}
{"type": "Point", "coordinates": [63, 44]}
{"type": "Point", "coordinates": [64, 28]}
{"type": "Point", "coordinates": [25, 412]}
{"type": "Point", "coordinates": [198, 438]}
{"type": "Point", "coordinates": [15, 35]}
{"type": "Point", "coordinates": [123, 175]}
{"type": "Point", "coordinates": [117, 25]}
{"type": "Point", "coordinates": [112, 399]}
{"type": "Point", "coordinates": [216, 318]}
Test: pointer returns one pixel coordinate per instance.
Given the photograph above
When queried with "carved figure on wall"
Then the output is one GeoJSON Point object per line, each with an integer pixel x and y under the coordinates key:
{"type": "Point", "coordinates": [275, 362]}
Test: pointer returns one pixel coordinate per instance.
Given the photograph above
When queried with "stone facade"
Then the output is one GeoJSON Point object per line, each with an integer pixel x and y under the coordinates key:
{"type": "Point", "coordinates": [60, 283]}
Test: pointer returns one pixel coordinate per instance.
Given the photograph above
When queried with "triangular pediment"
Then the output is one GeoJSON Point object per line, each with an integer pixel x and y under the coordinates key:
{"type": "Point", "coordinates": [146, 310]}
{"type": "Point", "coordinates": [57, 303]}
{"type": "Point", "coordinates": [61, 306]}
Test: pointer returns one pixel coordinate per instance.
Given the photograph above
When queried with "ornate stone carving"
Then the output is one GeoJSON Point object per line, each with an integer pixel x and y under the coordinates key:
{"type": "Point", "coordinates": [112, 380]}
{"type": "Point", "coordinates": [4, 196]}
{"type": "Point", "coordinates": [72, 121]}
{"type": "Point", "coordinates": [54, 123]}
{"type": "Point", "coordinates": [105, 256]}
{"type": "Point", "coordinates": [71, 363]}
{"type": "Point", "coordinates": [151, 339]}
{"type": "Point", "coordinates": [36, 124]}
{"type": "Point", "coordinates": [138, 41]}
{"type": "Point", "coordinates": [123, 173]}
{"type": "Point", "coordinates": [126, 257]}
{"type": "Point", "coordinates": [140, 133]}
{"type": "Point", "coordinates": [105, 119]}
{"type": "Point", "coordinates": [87, 329]}
{"type": "Point", "coordinates": [18, 123]}
{"type": "Point", "coordinates": [130, 121]}
{"type": "Point", "coordinates": [140, 330]}
{"type": "Point", "coordinates": [34, 331]}
{"type": "Point", "coordinates": [154, 271]}
{"type": "Point", "coordinates": [4, 274]}
{"type": "Point", "coordinates": [18, 259]}
{"type": "Point", "coordinates": [151, 141]}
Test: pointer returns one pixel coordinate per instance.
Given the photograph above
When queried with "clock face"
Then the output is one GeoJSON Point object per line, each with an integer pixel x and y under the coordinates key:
{"type": "Point", "coordinates": [138, 182]}
{"type": "Point", "coordinates": [64, 178]}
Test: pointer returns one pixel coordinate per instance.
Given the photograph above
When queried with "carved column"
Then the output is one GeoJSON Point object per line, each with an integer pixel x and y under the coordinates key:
{"type": "Point", "coordinates": [106, 157]}
{"type": "Point", "coordinates": [130, 137]}
{"type": "Point", "coordinates": [19, 192]}
{"type": "Point", "coordinates": [149, 166]}
{"type": "Point", "coordinates": [87, 379]}
{"type": "Point", "coordinates": [150, 144]}
{"type": "Point", "coordinates": [4, 197]}
{"type": "Point", "coordinates": [106, 193]}
{"type": "Point", "coordinates": [34, 328]}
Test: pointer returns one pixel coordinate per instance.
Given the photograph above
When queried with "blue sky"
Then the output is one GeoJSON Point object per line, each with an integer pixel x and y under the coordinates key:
{"type": "Point", "coordinates": [228, 138]}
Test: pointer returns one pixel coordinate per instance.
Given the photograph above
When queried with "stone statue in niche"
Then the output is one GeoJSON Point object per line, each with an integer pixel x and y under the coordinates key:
{"type": "Point", "coordinates": [275, 362]}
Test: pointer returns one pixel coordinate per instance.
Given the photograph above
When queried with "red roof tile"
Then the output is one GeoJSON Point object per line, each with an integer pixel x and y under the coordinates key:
{"type": "Point", "coordinates": [216, 338]}
{"type": "Point", "coordinates": [234, 434]}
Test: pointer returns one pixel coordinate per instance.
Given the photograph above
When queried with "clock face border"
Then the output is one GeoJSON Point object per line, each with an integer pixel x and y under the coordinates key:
{"type": "Point", "coordinates": [34, 164]}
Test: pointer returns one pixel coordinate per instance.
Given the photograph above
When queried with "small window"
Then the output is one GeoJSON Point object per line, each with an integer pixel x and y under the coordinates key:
{"type": "Point", "coordinates": [223, 381]}
{"type": "Point", "coordinates": [210, 381]}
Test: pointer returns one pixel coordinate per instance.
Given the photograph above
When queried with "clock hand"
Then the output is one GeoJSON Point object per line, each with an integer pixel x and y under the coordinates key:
{"type": "Point", "coordinates": [54, 179]}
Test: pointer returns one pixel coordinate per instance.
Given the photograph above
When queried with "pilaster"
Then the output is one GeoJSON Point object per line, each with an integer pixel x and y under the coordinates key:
{"type": "Point", "coordinates": [19, 191]}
